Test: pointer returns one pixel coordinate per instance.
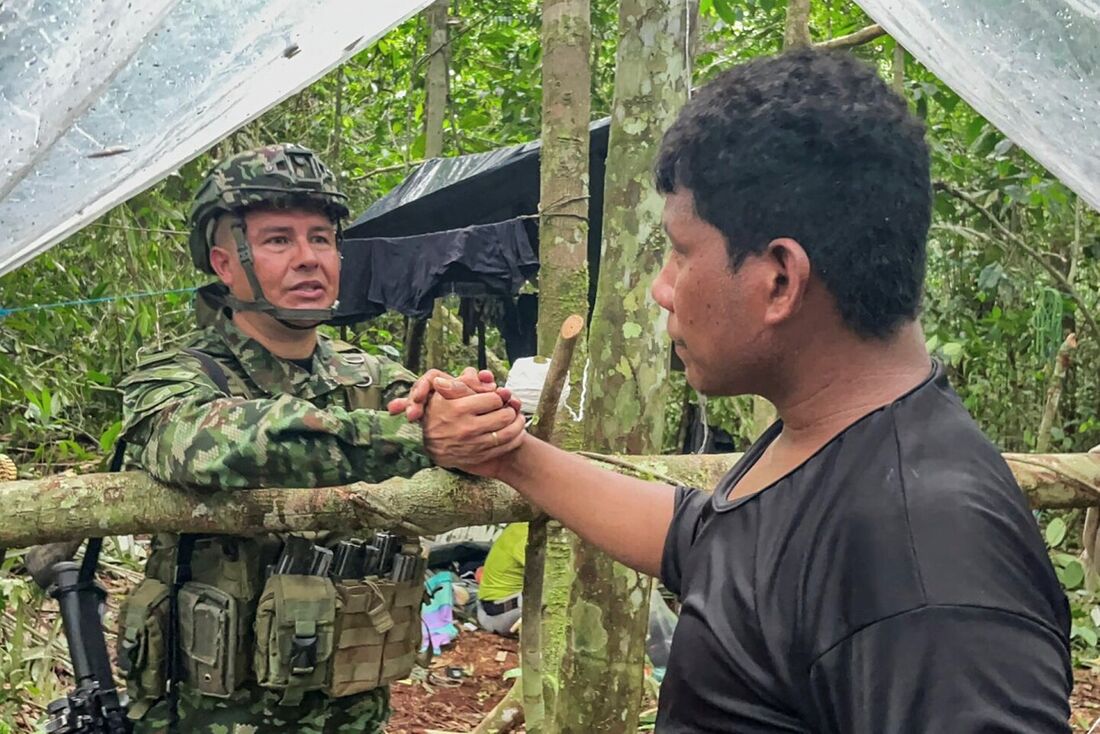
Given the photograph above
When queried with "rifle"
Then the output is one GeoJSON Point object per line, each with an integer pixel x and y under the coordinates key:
{"type": "Point", "coordinates": [94, 706]}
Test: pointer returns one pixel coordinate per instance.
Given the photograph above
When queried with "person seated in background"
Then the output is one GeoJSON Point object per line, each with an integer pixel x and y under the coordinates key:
{"type": "Point", "coordinates": [500, 595]}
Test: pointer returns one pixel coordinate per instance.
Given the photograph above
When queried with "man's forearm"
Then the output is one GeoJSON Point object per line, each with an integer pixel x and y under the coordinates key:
{"type": "Point", "coordinates": [626, 517]}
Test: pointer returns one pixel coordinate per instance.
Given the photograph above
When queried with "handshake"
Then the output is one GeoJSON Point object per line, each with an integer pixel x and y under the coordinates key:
{"type": "Point", "coordinates": [468, 422]}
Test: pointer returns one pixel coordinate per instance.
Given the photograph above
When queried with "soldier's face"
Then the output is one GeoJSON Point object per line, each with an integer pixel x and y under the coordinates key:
{"type": "Point", "coordinates": [294, 256]}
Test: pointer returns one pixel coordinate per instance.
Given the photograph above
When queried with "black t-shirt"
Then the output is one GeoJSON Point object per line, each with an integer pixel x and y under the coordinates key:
{"type": "Point", "coordinates": [895, 582]}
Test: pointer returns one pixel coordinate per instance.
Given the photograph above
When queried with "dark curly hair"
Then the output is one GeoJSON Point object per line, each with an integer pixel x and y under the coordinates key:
{"type": "Point", "coordinates": [813, 146]}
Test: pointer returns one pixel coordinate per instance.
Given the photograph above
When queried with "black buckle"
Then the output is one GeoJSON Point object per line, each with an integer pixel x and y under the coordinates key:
{"type": "Point", "coordinates": [303, 654]}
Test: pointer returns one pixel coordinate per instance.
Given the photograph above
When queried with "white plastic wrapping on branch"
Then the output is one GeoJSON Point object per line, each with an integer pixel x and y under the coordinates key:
{"type": "Point", "coordinates": [525, 380]}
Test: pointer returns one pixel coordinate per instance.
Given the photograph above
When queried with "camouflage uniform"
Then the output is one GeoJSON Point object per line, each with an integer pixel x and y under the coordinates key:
{"type": "Point", "coordinates": [279, 426]}
{"type": "Point", "coordinates": [283, 427]}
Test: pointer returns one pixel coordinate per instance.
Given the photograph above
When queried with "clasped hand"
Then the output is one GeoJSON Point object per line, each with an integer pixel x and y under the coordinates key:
{"type": "Point", "coordinates": [469, 423]}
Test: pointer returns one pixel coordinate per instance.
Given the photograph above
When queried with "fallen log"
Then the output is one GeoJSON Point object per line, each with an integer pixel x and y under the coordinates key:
{"type": "Point", "coordinates": [433, 501]}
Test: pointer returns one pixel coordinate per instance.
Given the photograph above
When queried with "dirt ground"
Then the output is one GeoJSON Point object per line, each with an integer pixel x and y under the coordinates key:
{"type": "Point", "coordinates": [463, 684]}
{"type": "Point", "coordinates": [1085, 702]}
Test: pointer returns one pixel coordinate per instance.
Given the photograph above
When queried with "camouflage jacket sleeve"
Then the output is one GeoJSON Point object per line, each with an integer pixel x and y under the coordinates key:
{"type": "Point", "coordinates": [184, 430]}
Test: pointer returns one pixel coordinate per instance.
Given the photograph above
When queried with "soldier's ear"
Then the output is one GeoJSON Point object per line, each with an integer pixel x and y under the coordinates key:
{"type": "Point", "coordinates": [220, 261]}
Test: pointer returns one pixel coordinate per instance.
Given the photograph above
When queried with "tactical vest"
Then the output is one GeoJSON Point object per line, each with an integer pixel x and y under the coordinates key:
{"type": "Point", "coordinates": [240, 619]}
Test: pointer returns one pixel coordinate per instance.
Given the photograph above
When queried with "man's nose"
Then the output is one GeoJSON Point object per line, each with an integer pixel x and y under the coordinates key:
{"type": "Point", "coordinates": [304, 254]}
{"type": "Point", "coordinates": [662, 289]}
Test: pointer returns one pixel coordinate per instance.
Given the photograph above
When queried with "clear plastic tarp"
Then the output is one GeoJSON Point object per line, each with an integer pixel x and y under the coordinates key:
{"type": "Point", "coordinates": [100, 100]}
{"type": "Point", "coordinates": [1031, 67]}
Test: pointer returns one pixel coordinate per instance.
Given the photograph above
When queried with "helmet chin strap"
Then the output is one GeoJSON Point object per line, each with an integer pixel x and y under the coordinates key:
{"type": "Point", "coordinates": [292, 318]}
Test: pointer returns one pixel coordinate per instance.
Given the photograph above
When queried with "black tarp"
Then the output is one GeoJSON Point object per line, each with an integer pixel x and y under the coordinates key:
{"type": "Point", "coordinates": [479, 188]}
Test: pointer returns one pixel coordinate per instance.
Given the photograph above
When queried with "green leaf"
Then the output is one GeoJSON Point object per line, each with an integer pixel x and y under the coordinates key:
{"type": "Point", "coordinates": [108, 437]}
{"type": "Point", "coordinates": [990, 277]}
{"type": "Point", "coordinates": [1056, 532]}
{"type": "Point", "coordinates": [976, 127]}
{"type": "Point", "coordinates": [99, 378]}
{"type": "Point", "coordinates": [1086, 634]}
{"type": "Point", "coordinates": [1002, 148]}
{"type": "Point", "coordinates": [952, 350]}
{"type": "Point", "coordinates": [1063, 559]}
{"type": "Point", "coordinates": [725, 11]}
{"type": "Point", "coordinates": [1072, 576]}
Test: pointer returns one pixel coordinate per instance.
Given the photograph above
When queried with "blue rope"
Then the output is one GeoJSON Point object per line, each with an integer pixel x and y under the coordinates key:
{"type": "Point", "coordinates": [86, 301]}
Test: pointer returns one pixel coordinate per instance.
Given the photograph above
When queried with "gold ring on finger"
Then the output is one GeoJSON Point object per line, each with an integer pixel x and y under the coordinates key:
{"type": "Point", "coordinates": [496, 439]}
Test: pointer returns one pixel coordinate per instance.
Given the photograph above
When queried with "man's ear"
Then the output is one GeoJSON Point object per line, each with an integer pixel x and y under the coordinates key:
{"type": "Point", "coordinates": [790, 277]}
{"type": "Point", "coordinates": [220, 261]}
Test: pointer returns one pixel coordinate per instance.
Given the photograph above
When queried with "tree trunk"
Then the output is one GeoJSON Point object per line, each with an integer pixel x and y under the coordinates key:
{"type": "Point", "coordinates": [414, 343]}
{"type": "Point", "coordinates": [435, 109]}
{"type": "Point", "coordinates": [898, 69]}
{"type": "Point", "coordinates": [563, 220]}
{"type": "Point", "coordinates": [433, 501]}
{"type": "Point", "coordinates": [797, 32]}
{"type": "Point", "coordinates": [629, 363]}
{"type": "Point", "coordinates": [629, 347]}
{"type": "Point", "coordinates": [563, 277]}
{"type": "Point", "coordinates": [495, 364]}
{"type": "Point", "coordinates": [763, 415]}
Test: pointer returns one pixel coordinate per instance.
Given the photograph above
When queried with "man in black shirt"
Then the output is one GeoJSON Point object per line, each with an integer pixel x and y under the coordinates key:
{"type": "Point", "coordinates": [870, 565]}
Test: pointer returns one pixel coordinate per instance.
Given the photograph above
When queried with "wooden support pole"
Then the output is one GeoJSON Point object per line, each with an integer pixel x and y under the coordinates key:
{"type": "Point", "coordinates": [535, 554]}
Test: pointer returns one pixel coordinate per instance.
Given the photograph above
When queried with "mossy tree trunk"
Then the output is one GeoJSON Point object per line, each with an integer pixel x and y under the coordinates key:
{"type": "Point", "coordinates": [435, 109]}
{"type": "Point", "coordinates": [563, 288]}
{"type": "Point", "coordinates": [628, 369]}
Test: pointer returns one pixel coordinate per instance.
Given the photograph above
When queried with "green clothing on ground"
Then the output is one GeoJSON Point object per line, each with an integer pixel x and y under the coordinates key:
{"type": "Point", "coordinates": [503, 574]}
{"type": "Point", "coordinates": [280, 426]}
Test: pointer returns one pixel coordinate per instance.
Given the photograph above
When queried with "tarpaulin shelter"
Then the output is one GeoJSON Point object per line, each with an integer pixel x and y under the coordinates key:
{"type": "Point", "coordinates": [1031, 67]}
{"type": "Point", "coordinates": [456, 199]}
{"type": "Point", "coordinates": [103, 99]}
{"type": "Point", "coordinates": [100, 100]}
{"type": "Point", "coordinates": [468, 221]}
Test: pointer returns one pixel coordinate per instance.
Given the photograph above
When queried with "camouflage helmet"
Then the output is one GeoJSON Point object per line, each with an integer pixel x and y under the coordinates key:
{"type": "Point", "coordinates": [280, 175]}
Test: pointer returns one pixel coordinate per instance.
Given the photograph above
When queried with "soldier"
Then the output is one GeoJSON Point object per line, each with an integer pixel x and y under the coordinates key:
{"type": "Point", "coordinates": [258, 398]}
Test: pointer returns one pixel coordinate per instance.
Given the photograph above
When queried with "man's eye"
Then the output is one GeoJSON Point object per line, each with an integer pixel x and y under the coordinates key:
{"type": "Point", "coordinates": [276, 241]}
{"type": "Point", "coordinates": [322, 240]}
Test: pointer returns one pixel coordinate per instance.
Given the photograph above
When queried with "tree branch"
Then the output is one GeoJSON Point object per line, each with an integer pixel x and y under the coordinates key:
{"type": "Point", "coordinates": [1054, 392]}
{"type": "Point", "coordinates": [386, 169]}
{"type": "Point", "coordinates": [858, 38]}
{"type": "Point", "coordinates": [1034, 254]}
{"type": "Point", "coordinates": [432, 501]}
{"type": "Point", "coordinates": [534, 567]}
